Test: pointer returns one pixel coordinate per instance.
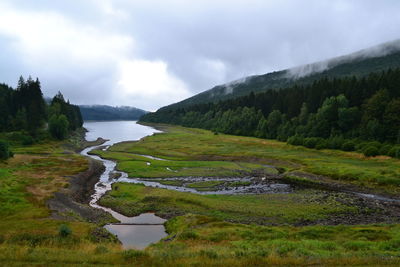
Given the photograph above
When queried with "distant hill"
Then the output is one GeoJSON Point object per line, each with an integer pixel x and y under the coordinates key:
{"type": "Point", "coordinates": [105, 113]}
{"type": "Point", "coordinates": [361, 63]}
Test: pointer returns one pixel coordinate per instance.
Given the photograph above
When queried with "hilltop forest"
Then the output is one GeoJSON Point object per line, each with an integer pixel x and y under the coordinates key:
{"type": "Point", "coordinates": [347, 113]}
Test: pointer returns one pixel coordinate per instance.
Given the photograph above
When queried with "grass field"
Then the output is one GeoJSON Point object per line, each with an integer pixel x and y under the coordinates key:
{"type": "Point", "coordinates": [195, 146]}
{"type": "Point", "coordinates": [305, 205]}
{"type": "Point", "coordinates": [206, 230]}
{"type": "Point", "coordinates": [224, 230]}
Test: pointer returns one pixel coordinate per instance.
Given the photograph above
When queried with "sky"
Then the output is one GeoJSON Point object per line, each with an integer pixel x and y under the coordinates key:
{"type": "Point", "coordinates": [148, 53]}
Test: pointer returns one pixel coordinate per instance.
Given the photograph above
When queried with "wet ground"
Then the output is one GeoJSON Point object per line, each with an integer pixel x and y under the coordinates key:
{"type": "Point", "coordinates": [140, 231]}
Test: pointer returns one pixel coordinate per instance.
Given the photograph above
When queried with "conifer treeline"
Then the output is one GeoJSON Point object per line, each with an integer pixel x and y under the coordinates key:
{"type": "Point", "coordinates": [350, 108]}
{"type": "Point", "coordinates": [25, 110]}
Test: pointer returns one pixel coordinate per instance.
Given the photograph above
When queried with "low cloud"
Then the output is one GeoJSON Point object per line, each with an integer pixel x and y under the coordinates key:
{"type": "Point", "coordinates": [153, 53]}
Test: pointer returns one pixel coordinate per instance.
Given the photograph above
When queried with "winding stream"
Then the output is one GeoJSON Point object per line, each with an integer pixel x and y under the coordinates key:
{"type": "Point", "coordinates": [134, 232]}
{"type": "Point", "coordinates": [140, 231]}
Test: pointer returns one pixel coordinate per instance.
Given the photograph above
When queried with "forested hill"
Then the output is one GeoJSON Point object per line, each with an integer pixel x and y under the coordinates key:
{"type": "Point", "coordinates": [339, 113]}
{"type": "Point", "coordinates": [103, 112]}
{"type": "Point", "coordinates": [361, 63]}
{"type": "Point", "coordinates": [25, 117]}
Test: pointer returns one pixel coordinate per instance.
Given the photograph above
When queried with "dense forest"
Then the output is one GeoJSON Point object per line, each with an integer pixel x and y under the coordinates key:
{"type": "Point", "coordinates": [107, 113]}
{"type": "Point", "coordinates": [348, 113]}
{"type": "Point", "coordinates": [25, 117]}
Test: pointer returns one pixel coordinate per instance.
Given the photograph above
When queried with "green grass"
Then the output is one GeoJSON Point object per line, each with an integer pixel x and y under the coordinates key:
{"type": "Point", "coordinates": [195, 145]}
{"type": "Point", "coordinates": [205, 185]}
{"type": "Point", "coordinates": [337, 245]}
{"type": "Point", "coordinates": [308, 205]}
{"type": "Point", "coordinates": [137, 166]}
{"type": "Point", "coordinates": [167, 182]}
{"type": "Point", "coordinates": [206, 234]}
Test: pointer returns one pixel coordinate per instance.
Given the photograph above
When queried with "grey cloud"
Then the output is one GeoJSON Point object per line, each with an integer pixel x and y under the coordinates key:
{"type": "Point", "coordinates": [205, 43]}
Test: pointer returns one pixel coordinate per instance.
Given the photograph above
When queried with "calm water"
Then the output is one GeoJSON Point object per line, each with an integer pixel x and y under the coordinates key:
{"type": "Point", "coordinates": [139, 235]}
{"type": "Point", "coordinates": [117, 131]}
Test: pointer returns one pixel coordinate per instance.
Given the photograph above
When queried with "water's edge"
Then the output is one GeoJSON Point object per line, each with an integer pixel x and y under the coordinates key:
{"type": "Point", "coordinates": [134, 232]}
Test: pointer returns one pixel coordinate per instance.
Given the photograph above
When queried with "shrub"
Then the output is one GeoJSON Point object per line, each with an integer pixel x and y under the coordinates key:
{"type": "Point", "coordinates": [58, 126]}
{"type": "Point", "coordinates": [394, 152]}
{"type": "Point", "coordinates": [336, 142]}
{"type": "Point", "coordinates": [26, 140]}
{"type": "Point", "coordinates": [348, 146]}
{"type": "Point", "coordinates": [5, 152]}
{"type": "Point", "coordinates": [311, 142]}
{"type": "Point", "coordinates": [375, 144]}
{"type": "Point", "coordinates": [361, 146]}
{"type": "Point", "coordinates": [384, 150]}
{"type": "Point", "coordinates": [64, 230]}
{"type": "Point", "coordinates": [295, 140]}
{"type": "Point", "coordinates": [322, 144]}
{"type": "Point", "coordinates": [370, 151]}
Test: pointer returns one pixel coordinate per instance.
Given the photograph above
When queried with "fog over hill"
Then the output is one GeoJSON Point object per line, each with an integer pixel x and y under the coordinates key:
{"type": "Point", "coordinates": [360, 63]}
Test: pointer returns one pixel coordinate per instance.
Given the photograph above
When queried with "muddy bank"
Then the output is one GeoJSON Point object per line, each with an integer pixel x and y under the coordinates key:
{"type": "Point", "coordinates": [323, 182]}
{"type": "Point", "coordinates": [72, 203]}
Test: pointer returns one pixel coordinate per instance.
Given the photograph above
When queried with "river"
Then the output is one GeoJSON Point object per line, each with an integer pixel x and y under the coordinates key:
{"type": "Point", "coordinates": [133, 232]}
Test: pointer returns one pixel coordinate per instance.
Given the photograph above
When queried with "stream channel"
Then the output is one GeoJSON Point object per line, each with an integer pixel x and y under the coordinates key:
{"type": "Point", "coordinates": [133, 232]}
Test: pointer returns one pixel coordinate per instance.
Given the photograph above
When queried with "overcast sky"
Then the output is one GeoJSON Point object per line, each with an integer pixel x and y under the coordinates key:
{"type": "Point", "coordinates": [152, 53]}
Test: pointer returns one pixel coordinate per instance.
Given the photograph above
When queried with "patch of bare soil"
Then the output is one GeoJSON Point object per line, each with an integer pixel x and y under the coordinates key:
{"type": "Point", "coordinates": [72, 203]}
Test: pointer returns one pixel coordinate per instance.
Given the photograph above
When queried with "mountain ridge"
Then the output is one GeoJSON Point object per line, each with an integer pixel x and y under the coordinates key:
{"type": "Point", "coordinates": [359, 63]}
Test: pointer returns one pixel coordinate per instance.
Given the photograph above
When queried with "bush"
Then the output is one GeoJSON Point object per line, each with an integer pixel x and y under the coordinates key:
{"type": "Point", "coordinates": [361, 146]}
{"type": "Point", "coordinates": [295, 140]}
{"type": "Point", "coordinates": [336, 142]}
{"type": "Point", "coordinates": [58, 126]}
{"type": "Point", "coordinates": [311, 142]}
{"type": "Point", "coordinates": [384, 150]}
{"type": "Point", "coordinates": [20, 138]}
{"type": "Point", "coordinates": [26, 140]}
{"type": "Point", "coordinates": [64, 230]}
{"type": "Point", "coordinates": [375, 144]}
{"type": "Point", "coordinates": [5, 151]}
{"type": "Point", "coordinates": [348, 146]}
{"type": "Point", "coordinates": [394, 152]}
{"type": "Point", "coordinates": [322, 144]}
{"type": "Point", "coordinates": [370, 151]}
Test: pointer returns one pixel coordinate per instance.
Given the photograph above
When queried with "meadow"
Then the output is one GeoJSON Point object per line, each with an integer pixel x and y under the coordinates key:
{"type": "Point", "coordinates": [194, 147]}
{"type": "Point", "coordinates": [204, 230]}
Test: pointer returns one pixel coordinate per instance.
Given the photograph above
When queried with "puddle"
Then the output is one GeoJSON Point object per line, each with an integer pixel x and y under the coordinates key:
{"type": "Point", "coordinates": [140, 231]}
{"type": "Point", "coordinates": [137, 236]}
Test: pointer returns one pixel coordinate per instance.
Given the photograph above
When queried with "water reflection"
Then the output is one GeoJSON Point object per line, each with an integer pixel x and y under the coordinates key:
{"type": "Point", "coordinates": [137, 236]}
